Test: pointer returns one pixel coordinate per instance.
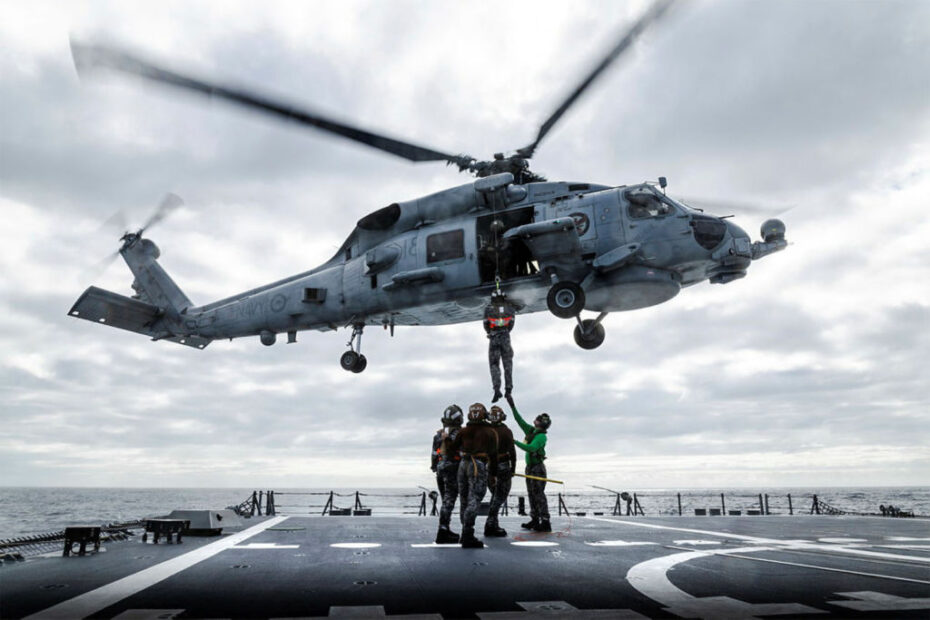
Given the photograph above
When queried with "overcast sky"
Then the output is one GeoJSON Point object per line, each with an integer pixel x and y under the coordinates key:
{"type": "Point", "coordinates": [812, 371]}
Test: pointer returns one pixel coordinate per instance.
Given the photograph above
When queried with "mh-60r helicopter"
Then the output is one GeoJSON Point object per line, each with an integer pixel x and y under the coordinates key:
{"type": "Point", "coordinates": [435, 260]}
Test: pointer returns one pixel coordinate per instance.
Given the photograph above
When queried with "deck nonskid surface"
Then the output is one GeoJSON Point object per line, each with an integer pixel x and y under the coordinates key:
{"type": "Point", "coordinates": [703, 567]}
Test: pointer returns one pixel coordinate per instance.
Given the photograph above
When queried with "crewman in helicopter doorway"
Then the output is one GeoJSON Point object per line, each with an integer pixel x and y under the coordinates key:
{"type": "Point", "coordinates": [499, 317]}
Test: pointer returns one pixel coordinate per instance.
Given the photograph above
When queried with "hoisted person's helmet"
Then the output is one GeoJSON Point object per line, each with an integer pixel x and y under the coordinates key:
{"type": "Point", "coordinates": [543, 420]}
{"type": "Point", "coordinates": [477, 412]}
{"type": "Point", "coordinates": [496, 415]}
{"type": "Point", "coordinates": [452, 416]}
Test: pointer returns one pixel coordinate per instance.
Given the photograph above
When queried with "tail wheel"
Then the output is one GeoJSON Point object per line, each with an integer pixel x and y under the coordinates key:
{"type": "Point", "coordinates": [360, 364]}
{"type": "Point", "coordinates": [590, 334]}
{"type": "Point", "coordinates": [349, 360]}
{"type": "Point", "coordinates": [565, 299]}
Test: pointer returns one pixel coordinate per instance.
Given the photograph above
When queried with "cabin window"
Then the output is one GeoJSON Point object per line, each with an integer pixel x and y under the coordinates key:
{"type": "Point", "coordinates": [445, 246]}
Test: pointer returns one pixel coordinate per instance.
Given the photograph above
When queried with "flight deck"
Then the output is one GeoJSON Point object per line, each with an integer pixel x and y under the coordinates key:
{"type": "Point", "coordinates": [588, 567]}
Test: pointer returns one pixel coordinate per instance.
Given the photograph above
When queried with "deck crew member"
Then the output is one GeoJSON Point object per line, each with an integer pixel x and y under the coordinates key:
{"type": "Point", "coordinates": [499, 318]}
{"type": "Point", "coordinates": [447, 470]}
{"type": "Point", "coordinates": [478, 444]}
{"type": "Point", "coordinates": [506, 462]}
{"type": "Point", "coordinates": [534, 445]}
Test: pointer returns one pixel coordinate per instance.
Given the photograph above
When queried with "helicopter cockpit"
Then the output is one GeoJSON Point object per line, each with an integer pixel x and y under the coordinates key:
{"type": "Point", "coordinates": [646, 202]}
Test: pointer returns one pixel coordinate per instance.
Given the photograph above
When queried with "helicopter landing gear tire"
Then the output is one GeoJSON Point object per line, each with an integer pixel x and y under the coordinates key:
{"type": "Point", "coordinates": [589, 334]}
{"type": "Point", "coordinates": [360, 364]}
{"type": "Point", "coordinates": [565, 299]}
{"type": "Point", "coordinates": [350, 360]}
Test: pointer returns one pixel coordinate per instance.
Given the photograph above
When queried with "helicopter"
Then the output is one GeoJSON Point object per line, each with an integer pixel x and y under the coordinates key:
{"type": "Point", "coordinates": [560, 246]}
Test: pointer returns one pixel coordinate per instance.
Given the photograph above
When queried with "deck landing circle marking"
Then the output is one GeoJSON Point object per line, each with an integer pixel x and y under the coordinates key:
{"type": "Point", "coordinates": [618, 543]}
{"type": "Point", "coordinates": [355, 545]}
{"type": "Point", "coordinates": [842, 540]}
{"type": "Point", "coordinates": [534, 543]}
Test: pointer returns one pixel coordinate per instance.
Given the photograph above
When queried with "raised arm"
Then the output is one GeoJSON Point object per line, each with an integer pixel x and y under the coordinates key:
{"type": "Point", "coordinates": [526, 426]}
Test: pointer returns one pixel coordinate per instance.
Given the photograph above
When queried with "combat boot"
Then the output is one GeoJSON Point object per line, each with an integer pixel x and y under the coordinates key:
{"type": "Point", "coordinates": [494, 531]}
{"type": "Point", "coordinates": [469, 541]}
{"type": "Point", "coordinates": [497, 395]}
{"type": "Point", "coordinates": [543, 526]}
{"type": "Point", "coordinates": [445, 536]}
{"type": "Point", "coordinates": [530, 525]}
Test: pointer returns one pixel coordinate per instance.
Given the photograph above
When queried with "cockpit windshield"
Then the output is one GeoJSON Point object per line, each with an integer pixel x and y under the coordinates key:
{"type": "Point", "coordinates": [645, 201]}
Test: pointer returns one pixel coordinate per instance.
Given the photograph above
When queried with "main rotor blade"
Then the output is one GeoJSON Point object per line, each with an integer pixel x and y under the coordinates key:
{"type": "Point", "coordinates": [88, 57]}
{"type": "Point", "coordinates": [654, 13]}
{"type": "Point", "coordinates": [168, 204]}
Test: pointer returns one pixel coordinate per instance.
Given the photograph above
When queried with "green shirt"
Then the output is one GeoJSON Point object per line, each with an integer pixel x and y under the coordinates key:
{"type": "Point", "coordinates": [535, 445]}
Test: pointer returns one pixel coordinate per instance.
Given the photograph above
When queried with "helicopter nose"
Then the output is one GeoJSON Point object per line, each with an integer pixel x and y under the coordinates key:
{"type": "Point", "coordinates": [740, 243]}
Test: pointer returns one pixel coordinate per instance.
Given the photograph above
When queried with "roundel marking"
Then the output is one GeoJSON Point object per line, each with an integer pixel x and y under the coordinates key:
{"type": "Point", "coordinates": [582, 223]}
{"type": "Point", "coordinates": [278, 302]}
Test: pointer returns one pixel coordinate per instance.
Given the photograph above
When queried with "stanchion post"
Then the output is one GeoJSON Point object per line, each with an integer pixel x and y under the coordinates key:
{"type": "Point", "coordinates": [269, 504]}
{"type": "Point", "coordinates": [761, 505]}
{"type": "Point", "coordinates": [723, 505]}
{"type": "Point", "coordinates": [767, 504]}
{"type": "Point", "coordinates": [679, 504]}
{"type": "Point", "coordinates": [261, 496]}
{"type": "Point", "coordinates": [637, 507]}
{"type": "Point", "coordinates": [562, 505]}
{"type": "Point", "coordinates": [422, 511]}
{"type": "Point", "coordinates": [358, 501]}
{"type": "Point", "coordinates": [618, 510]}
{"type": "Point", "coordinates": [329, 503]}
{"type": "Point", "coordinates": [521, 506]}
{"type": "Point", "coordinates": [254, 502]}
{"type": "Point", "coordinates": [790, 507]}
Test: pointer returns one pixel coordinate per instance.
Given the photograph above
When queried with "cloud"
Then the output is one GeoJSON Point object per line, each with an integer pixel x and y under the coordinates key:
{"type": "Point", "coordinates": [809, 371]}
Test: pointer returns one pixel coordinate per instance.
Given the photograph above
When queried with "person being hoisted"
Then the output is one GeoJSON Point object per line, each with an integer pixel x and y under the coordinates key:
{"type": "Point", "coordinates": [499, 318]}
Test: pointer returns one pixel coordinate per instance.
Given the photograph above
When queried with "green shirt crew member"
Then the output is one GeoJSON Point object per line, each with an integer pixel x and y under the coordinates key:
{"type": "Point", "coordinates": [534, 445]}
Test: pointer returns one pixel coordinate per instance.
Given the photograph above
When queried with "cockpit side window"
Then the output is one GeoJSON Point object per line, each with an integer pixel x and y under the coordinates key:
{"type": "Point", "coordinates": [647, 204]}
{"type": "Point", "coordinates": [445, 246]}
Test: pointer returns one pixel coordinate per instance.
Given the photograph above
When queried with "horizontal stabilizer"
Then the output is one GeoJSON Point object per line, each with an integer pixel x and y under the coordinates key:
{"type": "Point", "coordinates": [102, 306]}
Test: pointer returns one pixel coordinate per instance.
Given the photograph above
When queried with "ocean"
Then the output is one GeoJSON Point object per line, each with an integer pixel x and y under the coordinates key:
{"type": "Point", "coordinates": [27, 511]}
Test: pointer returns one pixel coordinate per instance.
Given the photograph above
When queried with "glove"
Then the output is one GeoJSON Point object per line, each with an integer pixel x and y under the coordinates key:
{"type": "Point", "coordinates": [510, 401]}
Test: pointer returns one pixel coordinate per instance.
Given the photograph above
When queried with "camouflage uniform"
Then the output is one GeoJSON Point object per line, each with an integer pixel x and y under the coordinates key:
{"type": "Point", "coordinates": [500, 492]}
{"type": "Point", "coordinates": [473, 483]}
{"type": "Point", "coordinates": [447, 472]}
{"type": "Point", "coordinates": [499, 318]}
{"type": "Point", "coordinates": [536, 490]}
{"type": "Point", "coordinates": [506, 463]}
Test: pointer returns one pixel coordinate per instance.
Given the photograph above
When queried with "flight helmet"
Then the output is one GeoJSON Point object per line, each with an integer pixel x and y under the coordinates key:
{"type": "Point", "coordinates": [496, 415]}
{"type": "Point", "coordinates": [477, 412]}
{"type": "Point", "coordinates": [543, 421]}
{"type": "Point", "coordinates": [452, 416]}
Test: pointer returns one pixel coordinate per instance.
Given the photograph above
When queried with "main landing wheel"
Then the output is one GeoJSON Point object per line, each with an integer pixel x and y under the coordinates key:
{"type": "Point", "coordinates": [349, 360]}
{"type": "Point", "coordinates": [589, 334]}
{"type": "Point", "coordinates": [565, 299]}
{"type": "Point", "coordinates": [361, 364]}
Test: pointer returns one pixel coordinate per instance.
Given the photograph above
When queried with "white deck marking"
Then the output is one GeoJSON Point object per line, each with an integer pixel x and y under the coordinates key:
{"type": "Point", "coordinates": [905, 539]}
{"type": "Point", "coordinates": [436, 545]}
{"type": "Point", "coordinates": [651, 579]}
{"type": "Point", "coordinates": [91, 602]}
{"type": "Point", "coordinates": [876, 601]}
{"type": "Point", "coordinates": [697, 542]}
{"type": "Point", "coordinates": [842, 540]}
{"type": "Point", "coordinates": [534, 543]}
{"type": "Point", "coordinates": [559, 609]}
{"type": "Point", "coordinates": [355, 545]}
{"type": "Point", "coordinates": [265, 546]}
{"type": "Point", "coordinates": [148, 614]}
{"type": "Point", "coordinates": [617, 543]}
{"type": "Point", "coordinates": [827, 568]}
{"type": "Point", "coordinates": [782, 544]}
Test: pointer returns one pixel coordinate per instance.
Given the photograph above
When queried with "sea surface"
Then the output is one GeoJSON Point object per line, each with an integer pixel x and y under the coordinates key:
{"type": "Point", "coordinates": [27, 511]}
